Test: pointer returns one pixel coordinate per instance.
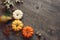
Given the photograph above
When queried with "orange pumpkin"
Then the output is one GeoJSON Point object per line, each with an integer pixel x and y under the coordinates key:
{"type": "Point", "coordinates": [27, 32]}
{"type": "Point", "coordinates": [17, 25]}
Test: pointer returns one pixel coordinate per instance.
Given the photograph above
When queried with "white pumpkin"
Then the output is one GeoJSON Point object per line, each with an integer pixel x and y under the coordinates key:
{"type": "Point", "coordinates": [17, 14]}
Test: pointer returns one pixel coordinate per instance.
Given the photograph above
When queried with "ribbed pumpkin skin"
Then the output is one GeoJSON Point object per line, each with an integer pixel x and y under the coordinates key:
{"type": "Point", "coordinates": [17, 25]}
{"type": "Point", "coordinates": [17, 14]}
{"type": "Point", "coordinates": [27, 32]}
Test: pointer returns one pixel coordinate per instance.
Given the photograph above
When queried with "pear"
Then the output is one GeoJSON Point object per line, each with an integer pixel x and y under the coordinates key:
{"type": "Point", "coordinates": [5, 18]}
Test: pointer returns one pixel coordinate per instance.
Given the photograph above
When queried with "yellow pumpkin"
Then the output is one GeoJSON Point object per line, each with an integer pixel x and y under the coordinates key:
{"type": "Point", "coordinates": [17, 25]}
{"type": "Point", "coordinates": [27, 32]}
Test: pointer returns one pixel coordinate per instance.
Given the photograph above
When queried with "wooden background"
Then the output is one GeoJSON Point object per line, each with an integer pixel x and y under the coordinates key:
{"type": "Point", "coordinates": [43, 16]}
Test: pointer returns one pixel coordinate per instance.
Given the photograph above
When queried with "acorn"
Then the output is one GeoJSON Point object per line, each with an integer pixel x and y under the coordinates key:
{"type": "Point", "coordinates": [38, 34]}
{"type": "Point", "coordinates": [5, 18]}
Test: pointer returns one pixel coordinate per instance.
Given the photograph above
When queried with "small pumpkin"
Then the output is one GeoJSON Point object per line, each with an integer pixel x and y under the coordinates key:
{"type": "Point", "coordinates": [17, 14]}
{"type": "Point", "coordinates": [17, 25]}
{"type": "Point", "coordinates": [27, 32]}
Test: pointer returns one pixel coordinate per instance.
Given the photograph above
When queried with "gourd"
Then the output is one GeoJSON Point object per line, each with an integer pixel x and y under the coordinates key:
{"type": "Point", "coordinates": [17, 25]}
{"type": "Point", "coordinates": [17, 14]}
{"type": "Point", "coordinates": [27, 32]}
{"type": "Point", "coordinates": [5, 18]}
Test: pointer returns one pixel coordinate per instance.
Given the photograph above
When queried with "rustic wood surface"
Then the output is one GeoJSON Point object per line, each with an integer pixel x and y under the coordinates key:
{"type": "Point", "coordinates": [43, 16]}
